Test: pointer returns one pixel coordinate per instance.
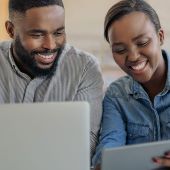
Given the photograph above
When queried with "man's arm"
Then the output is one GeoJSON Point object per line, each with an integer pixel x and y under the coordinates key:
{"type": "Point", "coordinates": [91, 89]}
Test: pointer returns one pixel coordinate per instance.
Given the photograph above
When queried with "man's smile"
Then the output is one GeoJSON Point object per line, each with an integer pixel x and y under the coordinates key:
{"type": "Point", "coordinates": [45, 58]}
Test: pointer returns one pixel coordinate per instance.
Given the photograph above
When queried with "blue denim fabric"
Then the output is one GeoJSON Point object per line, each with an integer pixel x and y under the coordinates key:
{"type": "Point", "coordinates": [129, 117]}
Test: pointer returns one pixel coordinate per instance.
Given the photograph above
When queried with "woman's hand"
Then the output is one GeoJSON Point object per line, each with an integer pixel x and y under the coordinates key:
{"type": "Point", "coordinates": [163, 160]}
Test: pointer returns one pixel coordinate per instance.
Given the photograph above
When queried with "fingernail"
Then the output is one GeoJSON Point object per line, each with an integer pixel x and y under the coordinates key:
{"type": "Point", "coordinates": [167, 153]}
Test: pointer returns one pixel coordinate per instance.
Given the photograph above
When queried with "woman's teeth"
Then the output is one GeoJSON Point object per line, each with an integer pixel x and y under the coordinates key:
{"type": "Point", "coordinates": [140, 66]}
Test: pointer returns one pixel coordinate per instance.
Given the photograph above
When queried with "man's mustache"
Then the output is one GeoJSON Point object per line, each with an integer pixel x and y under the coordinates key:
{"type": "Point", "coordinates": [45, 52]}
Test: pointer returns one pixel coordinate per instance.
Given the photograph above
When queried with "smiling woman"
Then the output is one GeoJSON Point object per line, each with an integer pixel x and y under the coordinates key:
{"type": "Point", "coordinates": [136, 106]}
{"type": "Point", "coordinates": [3, 17]}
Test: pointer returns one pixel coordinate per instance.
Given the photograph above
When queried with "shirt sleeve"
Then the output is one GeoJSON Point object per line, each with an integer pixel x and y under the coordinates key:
{"type": "Point", "coordinates": [91, 89]}
{"type": "Point", "coordinates": [112, 132]}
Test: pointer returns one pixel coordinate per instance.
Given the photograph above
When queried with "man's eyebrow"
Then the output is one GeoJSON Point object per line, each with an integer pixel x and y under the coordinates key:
{"type": "Point", "coordinates": [36, 31]}
{"type": "Point", "coordinates": [61, 28]}
{"type": "Point", "coordinates": [44, 31]}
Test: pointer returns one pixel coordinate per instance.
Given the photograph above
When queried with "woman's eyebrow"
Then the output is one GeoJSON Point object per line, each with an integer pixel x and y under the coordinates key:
{"type": "Point", "coordinates": [139, 36]}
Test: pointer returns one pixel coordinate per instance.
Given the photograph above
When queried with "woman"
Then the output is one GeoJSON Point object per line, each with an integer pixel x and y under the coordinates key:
{"type": "Point", "coordinates": [136, 108]}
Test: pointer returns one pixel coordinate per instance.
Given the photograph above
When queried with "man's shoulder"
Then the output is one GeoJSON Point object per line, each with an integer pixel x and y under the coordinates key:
{"type": "Point", "coordinates": [79, 54]}
{"type": "Point", "coordinates": [4, 46]}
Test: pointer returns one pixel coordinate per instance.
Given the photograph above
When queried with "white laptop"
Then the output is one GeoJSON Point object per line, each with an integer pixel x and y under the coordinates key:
{"type": "Point", "coordinates": [45, 136]}
{"type": "Point", "coordinates": [134, 157]}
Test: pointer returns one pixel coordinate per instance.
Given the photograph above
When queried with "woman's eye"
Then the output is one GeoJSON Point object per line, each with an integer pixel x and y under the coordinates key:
{"type": "Point", "coordinates": [142, 43]}
{"type": "Point", "coordinates": [119, 50]}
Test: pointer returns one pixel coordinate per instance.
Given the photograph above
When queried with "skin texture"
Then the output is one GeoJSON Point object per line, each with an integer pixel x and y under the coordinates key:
{"type": "Point", "coordinates": [38, 39]}
{"type": "Point", "coordinates": [137, 50]}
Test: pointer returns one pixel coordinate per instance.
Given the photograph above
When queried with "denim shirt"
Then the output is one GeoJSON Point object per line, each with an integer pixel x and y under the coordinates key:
{"type": "Point", "coordinates": [129, 116]}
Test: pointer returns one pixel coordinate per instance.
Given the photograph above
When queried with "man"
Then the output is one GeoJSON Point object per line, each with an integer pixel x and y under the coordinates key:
{"type": "Point", "coordinates": [38, 65]}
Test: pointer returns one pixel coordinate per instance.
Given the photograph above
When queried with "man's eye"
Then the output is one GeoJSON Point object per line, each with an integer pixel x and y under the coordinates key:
{"type": "Point", "coordinates": [57, 34]}
{"type": "Point", "coordinates": [36, 35]}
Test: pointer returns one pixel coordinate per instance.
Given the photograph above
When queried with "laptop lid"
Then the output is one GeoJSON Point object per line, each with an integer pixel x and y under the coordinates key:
{"type": "Point", "coordinates": [45, 136]}
{"type": "Point", "coordinates": [134, 157]}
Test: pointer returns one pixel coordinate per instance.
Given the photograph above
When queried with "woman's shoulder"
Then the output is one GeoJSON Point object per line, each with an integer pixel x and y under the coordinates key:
{"type": "Point", "coordinates": [120, 87]}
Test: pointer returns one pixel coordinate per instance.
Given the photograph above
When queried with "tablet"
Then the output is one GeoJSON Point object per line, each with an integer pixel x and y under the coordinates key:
{"type": "Point", "coordinates": [134, 157]}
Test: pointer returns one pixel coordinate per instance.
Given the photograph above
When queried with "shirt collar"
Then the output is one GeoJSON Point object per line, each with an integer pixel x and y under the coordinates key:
{"type": "Point", "coordinates": [166, 56]}
{"type": "Point", "coordinates": [135, 88]}
{"type": "Point", "coordinates": [11, 60]}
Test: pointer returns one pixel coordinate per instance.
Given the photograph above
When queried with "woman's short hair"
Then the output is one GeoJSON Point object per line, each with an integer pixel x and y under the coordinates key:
{"type": "Point", "coordinates": [125, 7]}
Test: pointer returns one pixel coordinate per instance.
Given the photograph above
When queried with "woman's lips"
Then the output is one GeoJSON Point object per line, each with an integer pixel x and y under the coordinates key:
{"type": "Point", "coordinates": [139, 66]}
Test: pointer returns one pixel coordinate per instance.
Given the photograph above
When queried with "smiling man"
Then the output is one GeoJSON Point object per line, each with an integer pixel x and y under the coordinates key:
{"type": "Point", "coordinates": [39, 66]}
{"type": "Point", "coordinates": [38, 38]}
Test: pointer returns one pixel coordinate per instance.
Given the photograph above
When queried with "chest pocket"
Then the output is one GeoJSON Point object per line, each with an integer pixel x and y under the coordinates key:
{"type": "Point", "coordinates": [137, 133]}
{"type": "Point", "coordinates": [165, 130]}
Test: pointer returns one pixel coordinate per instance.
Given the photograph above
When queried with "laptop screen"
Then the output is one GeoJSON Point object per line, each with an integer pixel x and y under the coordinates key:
{"type": "Point", "coordinates": [45, 136]}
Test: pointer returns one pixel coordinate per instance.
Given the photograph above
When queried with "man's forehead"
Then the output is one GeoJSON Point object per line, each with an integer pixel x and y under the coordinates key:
{"type": "Point", "coordinates": [47, 10]}
{"type": "Point", "coordinates": [46, 19]}
{"type": "Point", "coordinates": [39, 11]}
{"type": "Point", "coordinates": [43, 15]}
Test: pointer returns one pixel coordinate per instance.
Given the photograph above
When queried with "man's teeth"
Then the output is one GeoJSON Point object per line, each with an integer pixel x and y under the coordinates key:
{"type": "Point", "coordinates": [46, 56]}
{"type": "Point", "coordinates": [139, 66]}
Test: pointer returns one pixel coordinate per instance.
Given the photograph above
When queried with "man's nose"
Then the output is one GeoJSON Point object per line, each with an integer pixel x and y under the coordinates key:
{"type": "Point", "coordinates": [49, 42]}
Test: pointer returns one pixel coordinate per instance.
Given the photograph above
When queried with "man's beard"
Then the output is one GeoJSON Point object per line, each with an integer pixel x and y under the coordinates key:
{"type": "Point", "coordinates": [28, 60]}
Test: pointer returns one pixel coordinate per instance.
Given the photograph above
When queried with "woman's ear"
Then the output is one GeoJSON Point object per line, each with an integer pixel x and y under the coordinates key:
{"type": "Point", "coordinates": [10, 28]}
{"type": "Point", "coordinates": [161, 36]}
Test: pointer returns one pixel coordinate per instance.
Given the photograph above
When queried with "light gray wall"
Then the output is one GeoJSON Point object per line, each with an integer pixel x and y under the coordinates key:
{"type": "Point", "coordinates": [84, 22]}
{"type": "Point", "coordinates": [163, 10]}
{"type": "Point", "coordinates": [84, 26]}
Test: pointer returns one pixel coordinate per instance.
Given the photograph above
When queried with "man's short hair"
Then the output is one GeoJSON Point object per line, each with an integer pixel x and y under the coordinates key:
{"type": "Point", "coordinates": [21, 6]}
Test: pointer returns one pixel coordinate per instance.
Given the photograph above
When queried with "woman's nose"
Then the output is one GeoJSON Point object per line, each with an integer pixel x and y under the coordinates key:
{"type": "Point", "coordinates": [133, 54]}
